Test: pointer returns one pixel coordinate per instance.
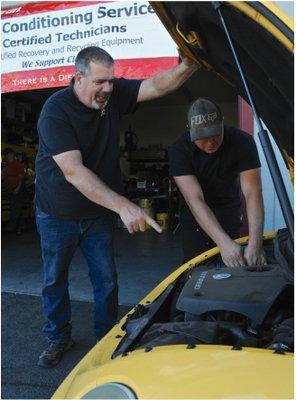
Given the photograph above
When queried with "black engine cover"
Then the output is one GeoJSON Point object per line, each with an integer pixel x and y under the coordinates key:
{"type": "Point", "coordinates": [248, 292]}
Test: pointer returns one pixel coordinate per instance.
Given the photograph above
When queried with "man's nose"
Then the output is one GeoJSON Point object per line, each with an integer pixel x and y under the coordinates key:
{"type": "Point", "coordinates": [211, 140]}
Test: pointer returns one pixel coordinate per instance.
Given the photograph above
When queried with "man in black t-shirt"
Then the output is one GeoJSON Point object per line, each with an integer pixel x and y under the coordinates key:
{"type": "Point", "coordinates": [210, 164]}
{"type": "Point", "coordinates": [78, 186]}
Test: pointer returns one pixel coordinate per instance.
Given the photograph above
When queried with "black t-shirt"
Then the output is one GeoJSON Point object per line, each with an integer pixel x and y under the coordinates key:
{"type": "Point", "coordinates": [217, 173]}
{"type": "Point", "coordinates": [67, 124]}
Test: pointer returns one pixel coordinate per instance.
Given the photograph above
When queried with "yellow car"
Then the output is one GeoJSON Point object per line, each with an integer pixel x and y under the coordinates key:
{"type": "Point", "coordinates": [209, 331]}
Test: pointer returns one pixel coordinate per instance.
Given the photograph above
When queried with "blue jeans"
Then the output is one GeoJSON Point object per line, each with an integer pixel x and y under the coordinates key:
{"type": "Point", "coordinates": [59, 240]}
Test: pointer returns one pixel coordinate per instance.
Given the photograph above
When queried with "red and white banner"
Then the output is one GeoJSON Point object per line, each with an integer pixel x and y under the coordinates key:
{"type": "Point", "coordinates": [41, 40]}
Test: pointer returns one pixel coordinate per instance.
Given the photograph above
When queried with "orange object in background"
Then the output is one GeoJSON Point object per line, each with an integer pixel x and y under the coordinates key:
{"type": "Point", "coordinates": [12, 174]}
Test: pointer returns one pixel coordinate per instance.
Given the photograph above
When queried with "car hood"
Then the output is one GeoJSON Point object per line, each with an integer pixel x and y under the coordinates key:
{"type": "Point", "coordinates": [174, 372]}
{"type": "Point", "coordinates": [181, 371]}
{"type": "Point", "coordinates": [263, 37]}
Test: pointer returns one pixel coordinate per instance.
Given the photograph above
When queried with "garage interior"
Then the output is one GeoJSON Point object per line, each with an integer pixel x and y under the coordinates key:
{"type": "Point", "coordinates": [143, 259]}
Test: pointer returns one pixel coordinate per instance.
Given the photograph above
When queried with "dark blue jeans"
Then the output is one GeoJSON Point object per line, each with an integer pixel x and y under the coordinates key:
{"type": "Point", "coordinates": [59, 240]}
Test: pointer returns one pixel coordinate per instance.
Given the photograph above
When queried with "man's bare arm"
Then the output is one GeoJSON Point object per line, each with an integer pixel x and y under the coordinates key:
{"type": "Point", "coordinates": [190, 188]}
{"type": "Point", "coordinates": [252, 190]}
{"type": "Point", "coordinates": [96, 190]}
{"type": "Point", "coordinates": [167, 81]}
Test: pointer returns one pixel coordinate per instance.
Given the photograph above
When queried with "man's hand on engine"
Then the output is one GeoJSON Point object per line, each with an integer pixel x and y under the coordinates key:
{"type": "Point", "coordinates": [254, 256]}
{"type": "Point", "coordinates": [232, 254]}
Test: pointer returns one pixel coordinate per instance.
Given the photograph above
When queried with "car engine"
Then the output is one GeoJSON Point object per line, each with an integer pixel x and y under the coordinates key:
{"type": "Point", "coordinates": [233, 306]}
{"type": "Point", "coordinates": [215, 304]}
{"type": "Point", "coordinates": [248, 293]}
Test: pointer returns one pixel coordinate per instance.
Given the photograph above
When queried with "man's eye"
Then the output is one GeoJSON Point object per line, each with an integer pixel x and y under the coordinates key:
{"type": "Point", "coordinates": [111, 82]}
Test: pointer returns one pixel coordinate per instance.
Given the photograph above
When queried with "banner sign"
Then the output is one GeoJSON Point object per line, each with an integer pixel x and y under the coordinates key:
{"type": "Point", "coordinates": [41, 40]}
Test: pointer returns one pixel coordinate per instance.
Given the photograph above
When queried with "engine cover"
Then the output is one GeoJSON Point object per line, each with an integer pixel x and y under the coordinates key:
{"type": "Point", "coordinates": [248, 292]}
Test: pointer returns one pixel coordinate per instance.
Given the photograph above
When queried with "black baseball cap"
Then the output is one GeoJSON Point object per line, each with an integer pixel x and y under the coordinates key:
{"type": "Point", "coordinates": [205, 119]}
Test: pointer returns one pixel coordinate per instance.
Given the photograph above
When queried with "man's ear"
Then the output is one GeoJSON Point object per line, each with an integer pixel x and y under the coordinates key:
{"type": "Point", "coordinates": [78, 77]}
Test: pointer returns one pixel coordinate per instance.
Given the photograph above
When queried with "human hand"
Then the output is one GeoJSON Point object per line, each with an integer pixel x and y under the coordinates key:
{"type": "Point", "coordinates": [232, 254]}
{"type": "Point", "coordinates": [254, 256]}
{"type": "Point", "coordinates": [135, 219]}
{"type": "Point", "coordinates": [189, 62]}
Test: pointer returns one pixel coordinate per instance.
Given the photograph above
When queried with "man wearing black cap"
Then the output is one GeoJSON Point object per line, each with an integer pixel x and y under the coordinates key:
{"type": "Point", "coordinates": [210, 164]}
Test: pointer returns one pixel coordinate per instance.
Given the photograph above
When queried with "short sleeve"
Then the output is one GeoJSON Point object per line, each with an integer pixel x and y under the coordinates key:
{"type": "Point", "coordinates": [180, 160]}
{"type": "Point", "coordinates": [56, 133]}
{"type": "Point", "coordinates": [248, 157]}
{"type": "Point", "coordinates": [127, 94]}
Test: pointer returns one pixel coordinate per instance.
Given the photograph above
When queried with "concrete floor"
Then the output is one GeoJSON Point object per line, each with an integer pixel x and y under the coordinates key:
{"type": "Point", "coordinates": [143, 260]}
{"type": "Point", "coordinates": [22, 342]}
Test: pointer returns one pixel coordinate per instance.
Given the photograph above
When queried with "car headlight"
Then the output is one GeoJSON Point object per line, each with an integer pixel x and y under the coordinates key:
{"type": "Point", "coordinates": [110, 391]}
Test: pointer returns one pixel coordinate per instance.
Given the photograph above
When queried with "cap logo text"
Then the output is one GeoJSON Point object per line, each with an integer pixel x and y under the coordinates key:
{"type": "Point", "coordinates": [203, 118]}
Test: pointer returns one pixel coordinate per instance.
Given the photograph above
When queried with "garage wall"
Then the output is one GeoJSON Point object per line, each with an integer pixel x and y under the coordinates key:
{"type": "Point", "coordinates": [274, 219]}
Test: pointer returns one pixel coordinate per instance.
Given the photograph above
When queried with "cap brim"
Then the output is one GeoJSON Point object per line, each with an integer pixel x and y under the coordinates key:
{"type": "Point", "coordinates": [202, 133]}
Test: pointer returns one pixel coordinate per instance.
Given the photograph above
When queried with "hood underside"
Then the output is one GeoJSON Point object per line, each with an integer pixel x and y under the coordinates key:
{"type": "Point", "coordinates": [263, 38]}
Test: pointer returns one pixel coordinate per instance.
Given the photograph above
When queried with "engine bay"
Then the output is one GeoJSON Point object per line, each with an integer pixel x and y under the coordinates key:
{"type": "Point", "coordinates": [246, 292]}
{"type": "Point", "coordinates": [215, 304]}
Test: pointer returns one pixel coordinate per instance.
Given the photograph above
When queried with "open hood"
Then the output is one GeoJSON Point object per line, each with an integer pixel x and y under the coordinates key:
{"type": "Point", "coordinates": [263, 37]}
